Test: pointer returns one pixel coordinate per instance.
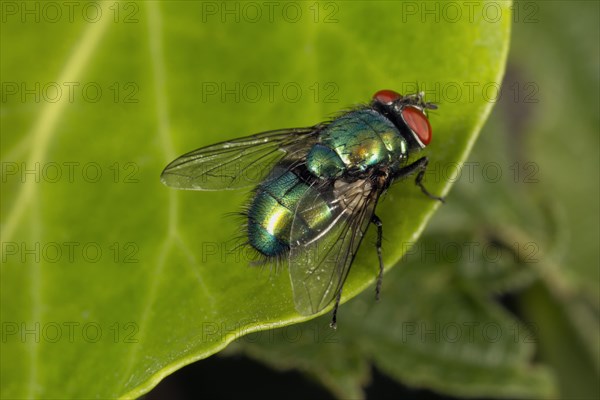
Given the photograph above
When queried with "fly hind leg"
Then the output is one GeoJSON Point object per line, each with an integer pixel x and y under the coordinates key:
{"type": "Point", "coordinates": [333, 323]}
{"type": "Point", "coordinates": [377, 222]}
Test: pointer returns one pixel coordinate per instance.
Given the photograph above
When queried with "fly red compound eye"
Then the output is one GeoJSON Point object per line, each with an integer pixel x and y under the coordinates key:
{"type": "Point", "coordinates": [418, 124]}
{"type": "Point", "coordinates": [386, 96]}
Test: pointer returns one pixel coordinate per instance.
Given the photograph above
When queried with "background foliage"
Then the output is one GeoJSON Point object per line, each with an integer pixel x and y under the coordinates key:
{"type": "Point", "coordinates": [166, 290]}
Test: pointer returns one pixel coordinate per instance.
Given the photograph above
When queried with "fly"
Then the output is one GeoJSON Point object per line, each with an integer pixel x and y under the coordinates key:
{"type": "Point", "coordinates": [316, 188]}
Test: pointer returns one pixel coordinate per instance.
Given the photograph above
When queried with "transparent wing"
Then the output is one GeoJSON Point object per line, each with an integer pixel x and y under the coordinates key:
{"type": "Point", "coordinates": [320, 260]}
{"type": "Point", "coordinates": [237, 163]}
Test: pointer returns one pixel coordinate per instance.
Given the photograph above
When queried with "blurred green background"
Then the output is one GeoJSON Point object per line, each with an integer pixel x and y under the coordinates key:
{"type": "Point", "coordinates": [500, 297]}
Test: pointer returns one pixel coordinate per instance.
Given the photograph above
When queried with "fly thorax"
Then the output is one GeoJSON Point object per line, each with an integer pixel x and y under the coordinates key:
{"type": "Point", "coordinates": [324, 162]}
{"type": "Point", "coordinates": [349, 195]}
{"type": "Point", "coordinates": [361, 150]}
{"type": "Point", "coordinates": [363, 139]}
{"type": "Point", "coordinates": [395, 144]}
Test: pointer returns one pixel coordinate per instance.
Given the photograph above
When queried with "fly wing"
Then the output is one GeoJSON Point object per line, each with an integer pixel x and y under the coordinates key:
{"type": "Point", "coordinates": [320, 260]}
{"type": "Point", "coordinates": [238, 163]}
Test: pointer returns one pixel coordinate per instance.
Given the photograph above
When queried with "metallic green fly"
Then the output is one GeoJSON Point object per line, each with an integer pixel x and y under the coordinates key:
{"type": "Point", "coordinates": [316, 188]}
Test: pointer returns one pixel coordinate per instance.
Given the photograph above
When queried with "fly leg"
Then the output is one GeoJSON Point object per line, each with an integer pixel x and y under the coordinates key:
{"type": "Point", "coordinates": [333, 323]}
{"type": "Point", "coordinates": [377, 222]}
{"type": "Point", "coordinates": [420, 165]}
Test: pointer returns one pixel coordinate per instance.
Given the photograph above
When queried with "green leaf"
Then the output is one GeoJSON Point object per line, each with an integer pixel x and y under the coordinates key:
{"type": "Point", "coordinates": [565, 304]}
{"type": "Point", "coordinates": [435, 328]}
{"type": "Point", "coordinates": [547, 205]}
{"type": "Point", "coordinates": [110, 281]}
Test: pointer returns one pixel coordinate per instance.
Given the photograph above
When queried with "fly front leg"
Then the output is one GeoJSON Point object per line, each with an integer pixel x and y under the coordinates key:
{"type": "Point", "coordinates": [377, 222]}
{"type": "Point", "coordinates": [418, 166]}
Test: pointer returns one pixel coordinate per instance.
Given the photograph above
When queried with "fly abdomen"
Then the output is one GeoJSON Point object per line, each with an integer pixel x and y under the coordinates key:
{"type": "Point", "coordinates": [272, 211]}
